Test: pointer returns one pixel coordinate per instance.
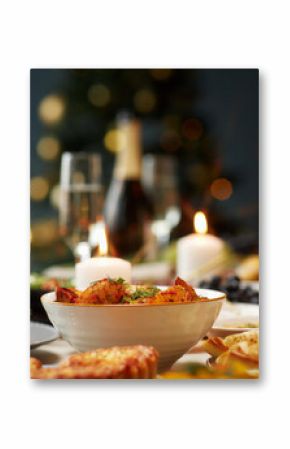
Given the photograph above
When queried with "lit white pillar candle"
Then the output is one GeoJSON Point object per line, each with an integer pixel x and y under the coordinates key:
{"type": "Point", "coordinates": [195, 251]}
{"type": "Point", "coordinates": [97, 268]}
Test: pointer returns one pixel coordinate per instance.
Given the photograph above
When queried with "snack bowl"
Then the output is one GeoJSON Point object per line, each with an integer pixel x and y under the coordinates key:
{"type": "Point", "coordinates": [172, 328]}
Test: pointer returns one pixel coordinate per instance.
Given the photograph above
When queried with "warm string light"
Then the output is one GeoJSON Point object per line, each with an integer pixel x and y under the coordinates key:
{"type": "Point", "coordinates": [39, 188]}
{"type": "Point", "coordinates": [145, 100]}
{"type": "Point", "coordinates": [51, 109]}
{"type": "Point", "coordinates": [48, 148]}
{"type": "Point", "coordinates": [113, 140]}
{"type": "Point", "coordinates": [221, 189]}
{"type": "Point", "coordinates": [44, 233]}
{"type": "Point", "coordinates": [54, 196]}
{"type": "Point", "coordinates": [99, 95]}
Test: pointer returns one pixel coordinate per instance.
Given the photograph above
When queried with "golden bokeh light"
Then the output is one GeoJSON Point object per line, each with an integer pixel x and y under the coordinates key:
{"type": "Point", "coordinates": [44, 233]}
{"type": "Point", "coordinates": [113, 140]}
{"type": "Point", "coordinates": [99, 95]}
{"type": "Point", "coordinates": [145, 100]}
{"type": "Point", "coordinates": [192, 129]}
{"type": "Point", "coordinates": [48, 148]}
{"type": "Point", "coordinates": [221, 189]}
{"type": "Point", "coordinates": [54, 196]}
{"type": "Point", "coordinates": [170, 141]}
{"type": "Point", "coordinates": [38, 188]}
{"type": "Point", "coordinates": [161, 74]}
{"type": "Point", "coordinates": [51, 109]}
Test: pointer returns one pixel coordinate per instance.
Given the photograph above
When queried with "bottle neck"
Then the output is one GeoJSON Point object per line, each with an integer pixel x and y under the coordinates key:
{"type": "Point", "coordinates": [128, 164]}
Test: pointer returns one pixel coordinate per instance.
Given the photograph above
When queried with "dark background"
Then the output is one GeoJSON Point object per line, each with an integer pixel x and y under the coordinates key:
{"type": "Point", "coordinates": [206, 119]}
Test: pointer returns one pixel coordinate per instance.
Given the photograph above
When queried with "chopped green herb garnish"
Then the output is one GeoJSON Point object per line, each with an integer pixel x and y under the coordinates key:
{"type": "Point", "coordinates": [119, 280]}
{"type": "Point", "coordinates": [127, 299]}
{"type": "Point", "coordinates": [141, 293]}
{"type": "Point", "coordinates": [115, 281]}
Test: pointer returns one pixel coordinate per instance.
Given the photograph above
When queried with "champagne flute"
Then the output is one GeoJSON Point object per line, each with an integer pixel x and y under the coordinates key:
{"type": "Point", "coordinates": [81, 202]}
{"type": "Point", "coordinates": [160, 183]}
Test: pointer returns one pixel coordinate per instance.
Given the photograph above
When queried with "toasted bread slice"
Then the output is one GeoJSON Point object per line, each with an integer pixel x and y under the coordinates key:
{"type": "Point", "coordinates": [240, 342]}
{"type": "Point", "coordinates": [244, 351]}
{"type": "Point", "coordinates": [230, 358]}
{"type": "Point", "coordinates": [118, 362]}
{"type": "Point", "coordinates": [250, 337]}
{"type": "Point", "coordinates": [35, 366]}
{"type": "Point", "coordinates": [214, 346]}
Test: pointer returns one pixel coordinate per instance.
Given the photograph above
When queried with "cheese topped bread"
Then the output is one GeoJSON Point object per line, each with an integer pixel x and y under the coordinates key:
{"type": "Point", "coordinates": [250, 337]}
{"type": "Point", "coordinates": [240, 348]}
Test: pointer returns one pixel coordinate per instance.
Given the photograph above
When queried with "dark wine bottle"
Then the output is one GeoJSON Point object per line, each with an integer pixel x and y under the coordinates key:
{"type": "Point", "coordinates": [128, 211]}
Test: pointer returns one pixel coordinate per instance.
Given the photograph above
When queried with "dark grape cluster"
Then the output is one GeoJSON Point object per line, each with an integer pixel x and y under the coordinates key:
{"type": "Point", "coordinates": [232, 287]}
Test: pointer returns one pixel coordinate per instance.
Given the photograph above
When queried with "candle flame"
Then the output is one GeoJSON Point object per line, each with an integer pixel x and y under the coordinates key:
{"type": "Point", "coordinates": [200, 223]}
{"type": "Point", "coordinates": [103, 241]}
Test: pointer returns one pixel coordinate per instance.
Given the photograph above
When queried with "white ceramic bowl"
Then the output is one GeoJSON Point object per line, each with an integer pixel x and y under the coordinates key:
{"type": "Point", "coordinates": [171, 328]}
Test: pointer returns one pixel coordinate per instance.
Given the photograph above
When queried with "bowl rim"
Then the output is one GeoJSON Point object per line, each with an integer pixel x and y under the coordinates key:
{"type": "Point", "coordinates": [46, 299]}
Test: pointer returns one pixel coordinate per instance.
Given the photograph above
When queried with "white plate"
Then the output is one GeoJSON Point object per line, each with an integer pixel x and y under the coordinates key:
{"type": "Point", "coordinates": [232, 312]}
{"type": "Point", "coordinates": [237, 310]}
{"type": "Point", "coordinates": [232, 326]}
{"type": "Point", "coordinates": [41, 333]}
